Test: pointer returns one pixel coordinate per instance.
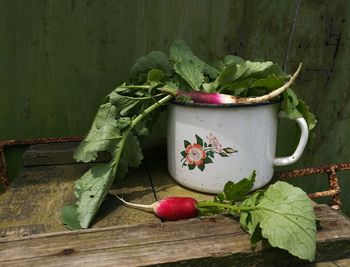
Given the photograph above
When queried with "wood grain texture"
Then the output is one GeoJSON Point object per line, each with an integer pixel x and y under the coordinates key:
{"type": "Point", "coordinates": [33, 203]}
{"type": "Point", "coordinates": [54, 154]}
{"type": "Point", "coordinates": [218, 241]}
{"type": "Point", "coordinates": [31, 233]}
{"type": "Point", "coordinates": [62, 153]}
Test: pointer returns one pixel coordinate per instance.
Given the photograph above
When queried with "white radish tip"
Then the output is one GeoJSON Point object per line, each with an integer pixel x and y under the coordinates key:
{"type": "Point", "coordinates": [274, 93]}
{"type": "Point", "coordinates": [120, 198]}
{"type": "Point", "coordinates": [149, 208]}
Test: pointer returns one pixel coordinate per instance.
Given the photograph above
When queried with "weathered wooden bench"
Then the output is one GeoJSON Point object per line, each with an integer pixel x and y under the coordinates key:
{"type": "Point", "coordinates": [31, 233]}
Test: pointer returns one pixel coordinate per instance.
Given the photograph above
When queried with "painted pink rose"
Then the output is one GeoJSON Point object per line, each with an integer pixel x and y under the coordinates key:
{"type": "Point", "coordinates": [195, 154]}
{"type": "Point", "coordinates": [213, 140]}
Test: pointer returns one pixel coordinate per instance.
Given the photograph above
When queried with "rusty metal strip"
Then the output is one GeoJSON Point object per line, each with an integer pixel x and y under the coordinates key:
{"type": "Point", "coordinates": [327, 193]}
{"type": "Point", "coordinates": [3, 170]}
{"type": "Point", "coordinates": [312, 171]}
{"type": "Point", "coordinates": [331, 170]}
{"type": "Point", "coordinates": [40, 141]}
{"type": "Point", "coordinates": [334, 186]}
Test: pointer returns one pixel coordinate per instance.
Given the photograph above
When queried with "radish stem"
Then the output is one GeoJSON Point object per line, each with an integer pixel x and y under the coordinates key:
{"type": "Point", "coordinates": [229, 207]}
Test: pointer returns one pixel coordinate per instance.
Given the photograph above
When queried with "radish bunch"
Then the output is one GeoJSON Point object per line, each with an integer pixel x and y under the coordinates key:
{"type": "Point", "coordinates": [282, 214]}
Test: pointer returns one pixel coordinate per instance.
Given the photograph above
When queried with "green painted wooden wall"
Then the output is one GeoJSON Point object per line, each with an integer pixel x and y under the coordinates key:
{"type": "Point", "coordinates": [59, 58]}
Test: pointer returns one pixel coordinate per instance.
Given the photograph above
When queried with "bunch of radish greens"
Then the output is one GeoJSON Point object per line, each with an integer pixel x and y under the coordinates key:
{"type": "Point", "coordinates": [128, 113]}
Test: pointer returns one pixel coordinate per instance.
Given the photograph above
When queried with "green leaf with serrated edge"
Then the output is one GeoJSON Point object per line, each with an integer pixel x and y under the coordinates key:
{"type": "Point", "coordinates": [238, 88]}
{"type": "Point", "coordinates": [191, 72]}
{"type": "Point", "coordinates": [123, 103]}
{"type": "Point", "coordinates": [155, 75]}
{"type": "Point", "coordinates": [180, 51]}
{"type": "Point", "coordinates": [199, 140]}
{"type": "Point", "coordinates": [212, 72]}
{"type": "Point", "coordinates": [219, 198]}
{"type": "Point", "coordinates": [238, 78]}
{"type": "Point", "coordinates": [232, 60]}
{"type": "Point", "coordinates": [186, 143]}
{"type": "Point", "coordinates": [227, 76]}
{"type": "Point", "coordinates": [69, 217]}
{"type": "Point", "coordinates": [104, 135]}
{"type": "Point", "coordinates": [91, 190]}
{"type": "Point", "coordinates": [154, 60]}
{"type": "Point", "coordinates": [287, 220]}
{"type": "Point", "coordinates": [129, 109]}
{"type": "Point", "coordinates": [256, 236]}
{"type": "Point", "coordinates": [294, 107]}
{"type": "Point", "coordinates": [210, 87]}
{"type": "Point", "coordinates": [248, 221]}
{"type": "Point", "coordinates": [251, 69]}
{"type": "Point", "coordinates": [123, 122]}
{"type": "Point", "coordinates": [290, 103]}
{"type": "Point", "coordinates": [183, 154]}
{"type": "Point", "coordinates": [259, 70]}
{"type": "Point", "coordinates": [92, 187]}
{"type": "Point", "coordinates": [219, 65]}
{"type": "Point", "coordinates": [270, 82]}
{"type": "Point", "coordinates": [145, 126]}
{"type": "Point", "coordinates": [131, 156]}
{"type": "Point", "coordinates": [308, 116]}
{"type": "Point", "coordinates": [237, 191]}
{"type": "Point", "coordinates": [181, 83]}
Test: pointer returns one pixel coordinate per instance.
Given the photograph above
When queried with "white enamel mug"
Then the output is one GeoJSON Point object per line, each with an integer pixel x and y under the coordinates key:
{"type": "Point", "coordinates": [209, 145]}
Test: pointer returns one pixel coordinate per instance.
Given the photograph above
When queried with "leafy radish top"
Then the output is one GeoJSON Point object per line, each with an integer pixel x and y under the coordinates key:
{"type": "Point", "coordinates": [282, 214]}
{"type": "Point", "coordinates": [127, 114]}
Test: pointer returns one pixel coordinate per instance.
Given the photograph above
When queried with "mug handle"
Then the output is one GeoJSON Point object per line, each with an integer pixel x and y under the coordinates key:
{"type": "Point", "coordinates": [281, 161]}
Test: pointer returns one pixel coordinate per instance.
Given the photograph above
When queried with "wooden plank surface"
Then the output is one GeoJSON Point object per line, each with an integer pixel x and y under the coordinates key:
{"type": "Point", "coordinates": [31, 233]}
{"type": "Point", "coordinates": [218, 241]}
{"type": "Point", "coordinates": [54, 154]}
{"type": "Point", "coordinates": [33, 203]}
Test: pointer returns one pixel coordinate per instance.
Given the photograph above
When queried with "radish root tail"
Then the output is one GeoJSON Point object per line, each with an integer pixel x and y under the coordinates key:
{"type": "Point", "coordinates": [273, 94]}
{"type": "Point", "coordinates": [149, 208]}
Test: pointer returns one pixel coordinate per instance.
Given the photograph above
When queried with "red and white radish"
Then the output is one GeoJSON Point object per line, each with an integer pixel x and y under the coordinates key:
{"type": "Point", "coordinates": [170, 208]}
{"type": "Point", "coordinates": [217, 98]}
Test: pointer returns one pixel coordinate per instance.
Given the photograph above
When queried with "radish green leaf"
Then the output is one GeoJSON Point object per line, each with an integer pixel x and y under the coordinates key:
{"type": "Point", "coordinates": [287, 220]}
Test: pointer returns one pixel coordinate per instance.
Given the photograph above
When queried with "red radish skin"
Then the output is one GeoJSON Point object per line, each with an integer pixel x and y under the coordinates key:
{"type": "Point", "coordinates": [176, 208]}
{"type": "Point", "coordinates": [208, 98]}
{"type": "Point", "coordinates": [170, 208]}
